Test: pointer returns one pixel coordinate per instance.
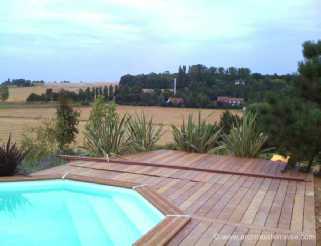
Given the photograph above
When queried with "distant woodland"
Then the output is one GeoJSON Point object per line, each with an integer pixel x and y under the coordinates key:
{"type": "Point", "coordinates": [197, 86]}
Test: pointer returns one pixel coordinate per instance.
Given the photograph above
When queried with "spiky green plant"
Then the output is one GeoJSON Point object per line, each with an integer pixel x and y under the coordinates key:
{"type": "Point", "coordinates": [199, 136]}
{"type": "Point", "coordinates": [106, 134]}
{"type": "Point", "coordinates": [143, 134]}
{"type": "Point", "coordinates": [244, 139]}
{"type": "Point", "coordinates": [10, 158]}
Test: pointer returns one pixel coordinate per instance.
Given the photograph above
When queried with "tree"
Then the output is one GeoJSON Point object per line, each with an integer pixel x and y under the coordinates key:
{"type": "Point", "coordinates": [199, 85]}
{"type": "Point", "coordinates": [310, 70]}
{"type": "Point", "coordinates": [181, 77]}
{"type": "Point", "coordinates": [4, 93]}
{"type": "Point", "coordinates": [293, 123]}
{"type": "Point", "coordinates": [105, 93]}
{"type": "Point", "coordinates": [88, 95]}
{"type": "Point", "coordinates": [293, 127]}
{"type": "Point", "coordinates": [111, 92]}
{"type": "Point", "coordinates": [98, 111]}
{"type": "Point", "coordinates": [66, 123]}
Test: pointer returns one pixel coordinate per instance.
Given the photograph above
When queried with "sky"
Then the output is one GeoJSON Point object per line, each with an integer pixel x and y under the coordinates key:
{"type": "Point", "coordinates": [101, 40]}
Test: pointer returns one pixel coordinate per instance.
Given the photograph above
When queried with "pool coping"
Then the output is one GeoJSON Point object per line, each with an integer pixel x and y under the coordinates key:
{"type": "Point", "coordinates": [173, 222]}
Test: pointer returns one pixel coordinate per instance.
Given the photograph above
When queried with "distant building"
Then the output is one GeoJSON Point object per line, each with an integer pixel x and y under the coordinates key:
{"type": "Point", "coordinates": [239, 82]}
{"type": "Point", "coordinates": [230, 101]}
{"type": "Point", "coordinates": [150, 91]}
{"type": "Point", "coordinates": [175, 100]}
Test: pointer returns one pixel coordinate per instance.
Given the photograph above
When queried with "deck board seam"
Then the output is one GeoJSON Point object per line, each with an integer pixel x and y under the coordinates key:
{"type": "Point", "coordinates": [124, 171]}
{"type": "Point", "coordinates": [249, 226]}
{"type": "Point", "coordinates": [183, 167]}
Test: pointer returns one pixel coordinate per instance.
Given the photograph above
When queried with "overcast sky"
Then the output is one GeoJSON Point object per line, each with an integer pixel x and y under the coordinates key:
{"type": "Point", "coordinates": [100, 40]}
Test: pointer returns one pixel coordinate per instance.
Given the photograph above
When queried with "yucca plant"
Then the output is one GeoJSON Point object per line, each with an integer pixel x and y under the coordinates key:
{"type": "Point", "coordinates": [106, 133]}
{"type": "Point", "coordinates": [143, 134]}
{"type": "Point", "coordinates": [244, 139]}
{"type": "Point", "coordinates": [10, 158]}
{"type": "Point", "coordinates": [199, 136]}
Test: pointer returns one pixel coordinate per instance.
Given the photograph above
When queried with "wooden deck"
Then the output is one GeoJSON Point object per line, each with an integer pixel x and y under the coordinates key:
{"type": "Point", "coordinates": [232, 201]}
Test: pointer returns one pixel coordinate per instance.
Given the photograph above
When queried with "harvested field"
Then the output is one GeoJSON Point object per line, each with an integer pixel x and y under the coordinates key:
{"type": "Point", "coordinates": [19, 120]}
{"type": "Point", "coordinates": [20, 94]}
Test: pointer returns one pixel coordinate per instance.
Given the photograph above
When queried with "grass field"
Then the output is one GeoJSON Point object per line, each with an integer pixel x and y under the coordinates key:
{"type": "Point", "coordinates": [17, 120]}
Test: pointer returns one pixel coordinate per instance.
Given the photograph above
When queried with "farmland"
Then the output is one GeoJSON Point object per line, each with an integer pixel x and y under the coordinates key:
{"type": "Point", "coordinates": [20, 94]}
{"type": "Point", "coordinates": [18, 119]}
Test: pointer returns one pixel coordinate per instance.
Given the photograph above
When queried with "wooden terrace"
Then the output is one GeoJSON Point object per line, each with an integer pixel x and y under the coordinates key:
{"type": "Point", "coordinates": [229, 200]}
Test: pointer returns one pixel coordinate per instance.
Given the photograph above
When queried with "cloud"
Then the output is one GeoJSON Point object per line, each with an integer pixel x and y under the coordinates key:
{"type": "Point", "coordinates": [156, 33]}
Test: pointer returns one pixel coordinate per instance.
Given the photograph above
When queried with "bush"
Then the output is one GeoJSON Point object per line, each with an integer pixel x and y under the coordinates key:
{"type": "Point", "coordinates": [228, 121]}
{"type": "Point", "coordinates": [40, 143]}
{"type": "Point", "coordinates": [244, 139]}
{"type": "Point", "coordinates": [293, 126]}
{"type": "Point", "coordinates": [41, 146]}
{"type": "Point", "coordinates": [10, 158]}
{"type": "Point", "coordinates": [200, 137]}
{"type": "Point", "coordinates": [143, 134]}
{"type": "Point", "coordinates": [106, 131]}
{"type": "Point", "coordinates": [66, 123]}
{"type": "Point", "coordinates": [35, 98]}
{"type": "Point", "coordinates": [4, 93]}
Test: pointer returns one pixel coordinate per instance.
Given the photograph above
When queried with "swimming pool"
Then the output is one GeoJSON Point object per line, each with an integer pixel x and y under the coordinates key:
{"type": "Point", "coordinates": [65, 212]}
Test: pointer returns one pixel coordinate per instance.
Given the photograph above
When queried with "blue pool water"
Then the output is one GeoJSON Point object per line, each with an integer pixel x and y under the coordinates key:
{"type": "Point", "coordinates": [64, 212]}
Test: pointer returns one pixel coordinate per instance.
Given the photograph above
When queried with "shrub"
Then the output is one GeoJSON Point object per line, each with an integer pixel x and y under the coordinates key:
{"type": "Point", "coordinates": [106, 131]}
{"type": "Point", "coordinates": [10, 158]}
{"type": "Point", "coordinates": [293, 126]}
{"type": "Point", "coordinates": [98, 112]}
{"type": "Point", "coordinates": [198, 136]}
{"type": "Point", "coordinates": [42, 147]}
{"type": "Point", "coordinates": [35, 98]}
{"type": "Point", "coordinates": [228, 121]}
{"type": "Point", "coordinates": [40, 142]}
{"type": "Point", "coordinates": [66, 123]}
{"type": "Point", "coordinates": [244, 139]}
{"type": "Point", "coordinates": [4, 93]}
{"type": "Point", "coordinates": [143, 134]}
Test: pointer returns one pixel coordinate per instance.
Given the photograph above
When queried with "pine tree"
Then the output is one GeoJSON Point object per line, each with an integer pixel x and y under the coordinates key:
{"type": "Point", "coordinates": [293, 122]}
{"type": "Point", "coordinates": [310, 71]}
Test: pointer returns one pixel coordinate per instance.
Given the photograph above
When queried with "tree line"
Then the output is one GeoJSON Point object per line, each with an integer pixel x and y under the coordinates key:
{"type": "Point", "coordinates": [200, 86]}
{"type": "Point", "coordinates": [197, 85]}
{"type": "Point", "coordinates": [83, 96]}
{"type": "Point", "coordinates": [21, 83]}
